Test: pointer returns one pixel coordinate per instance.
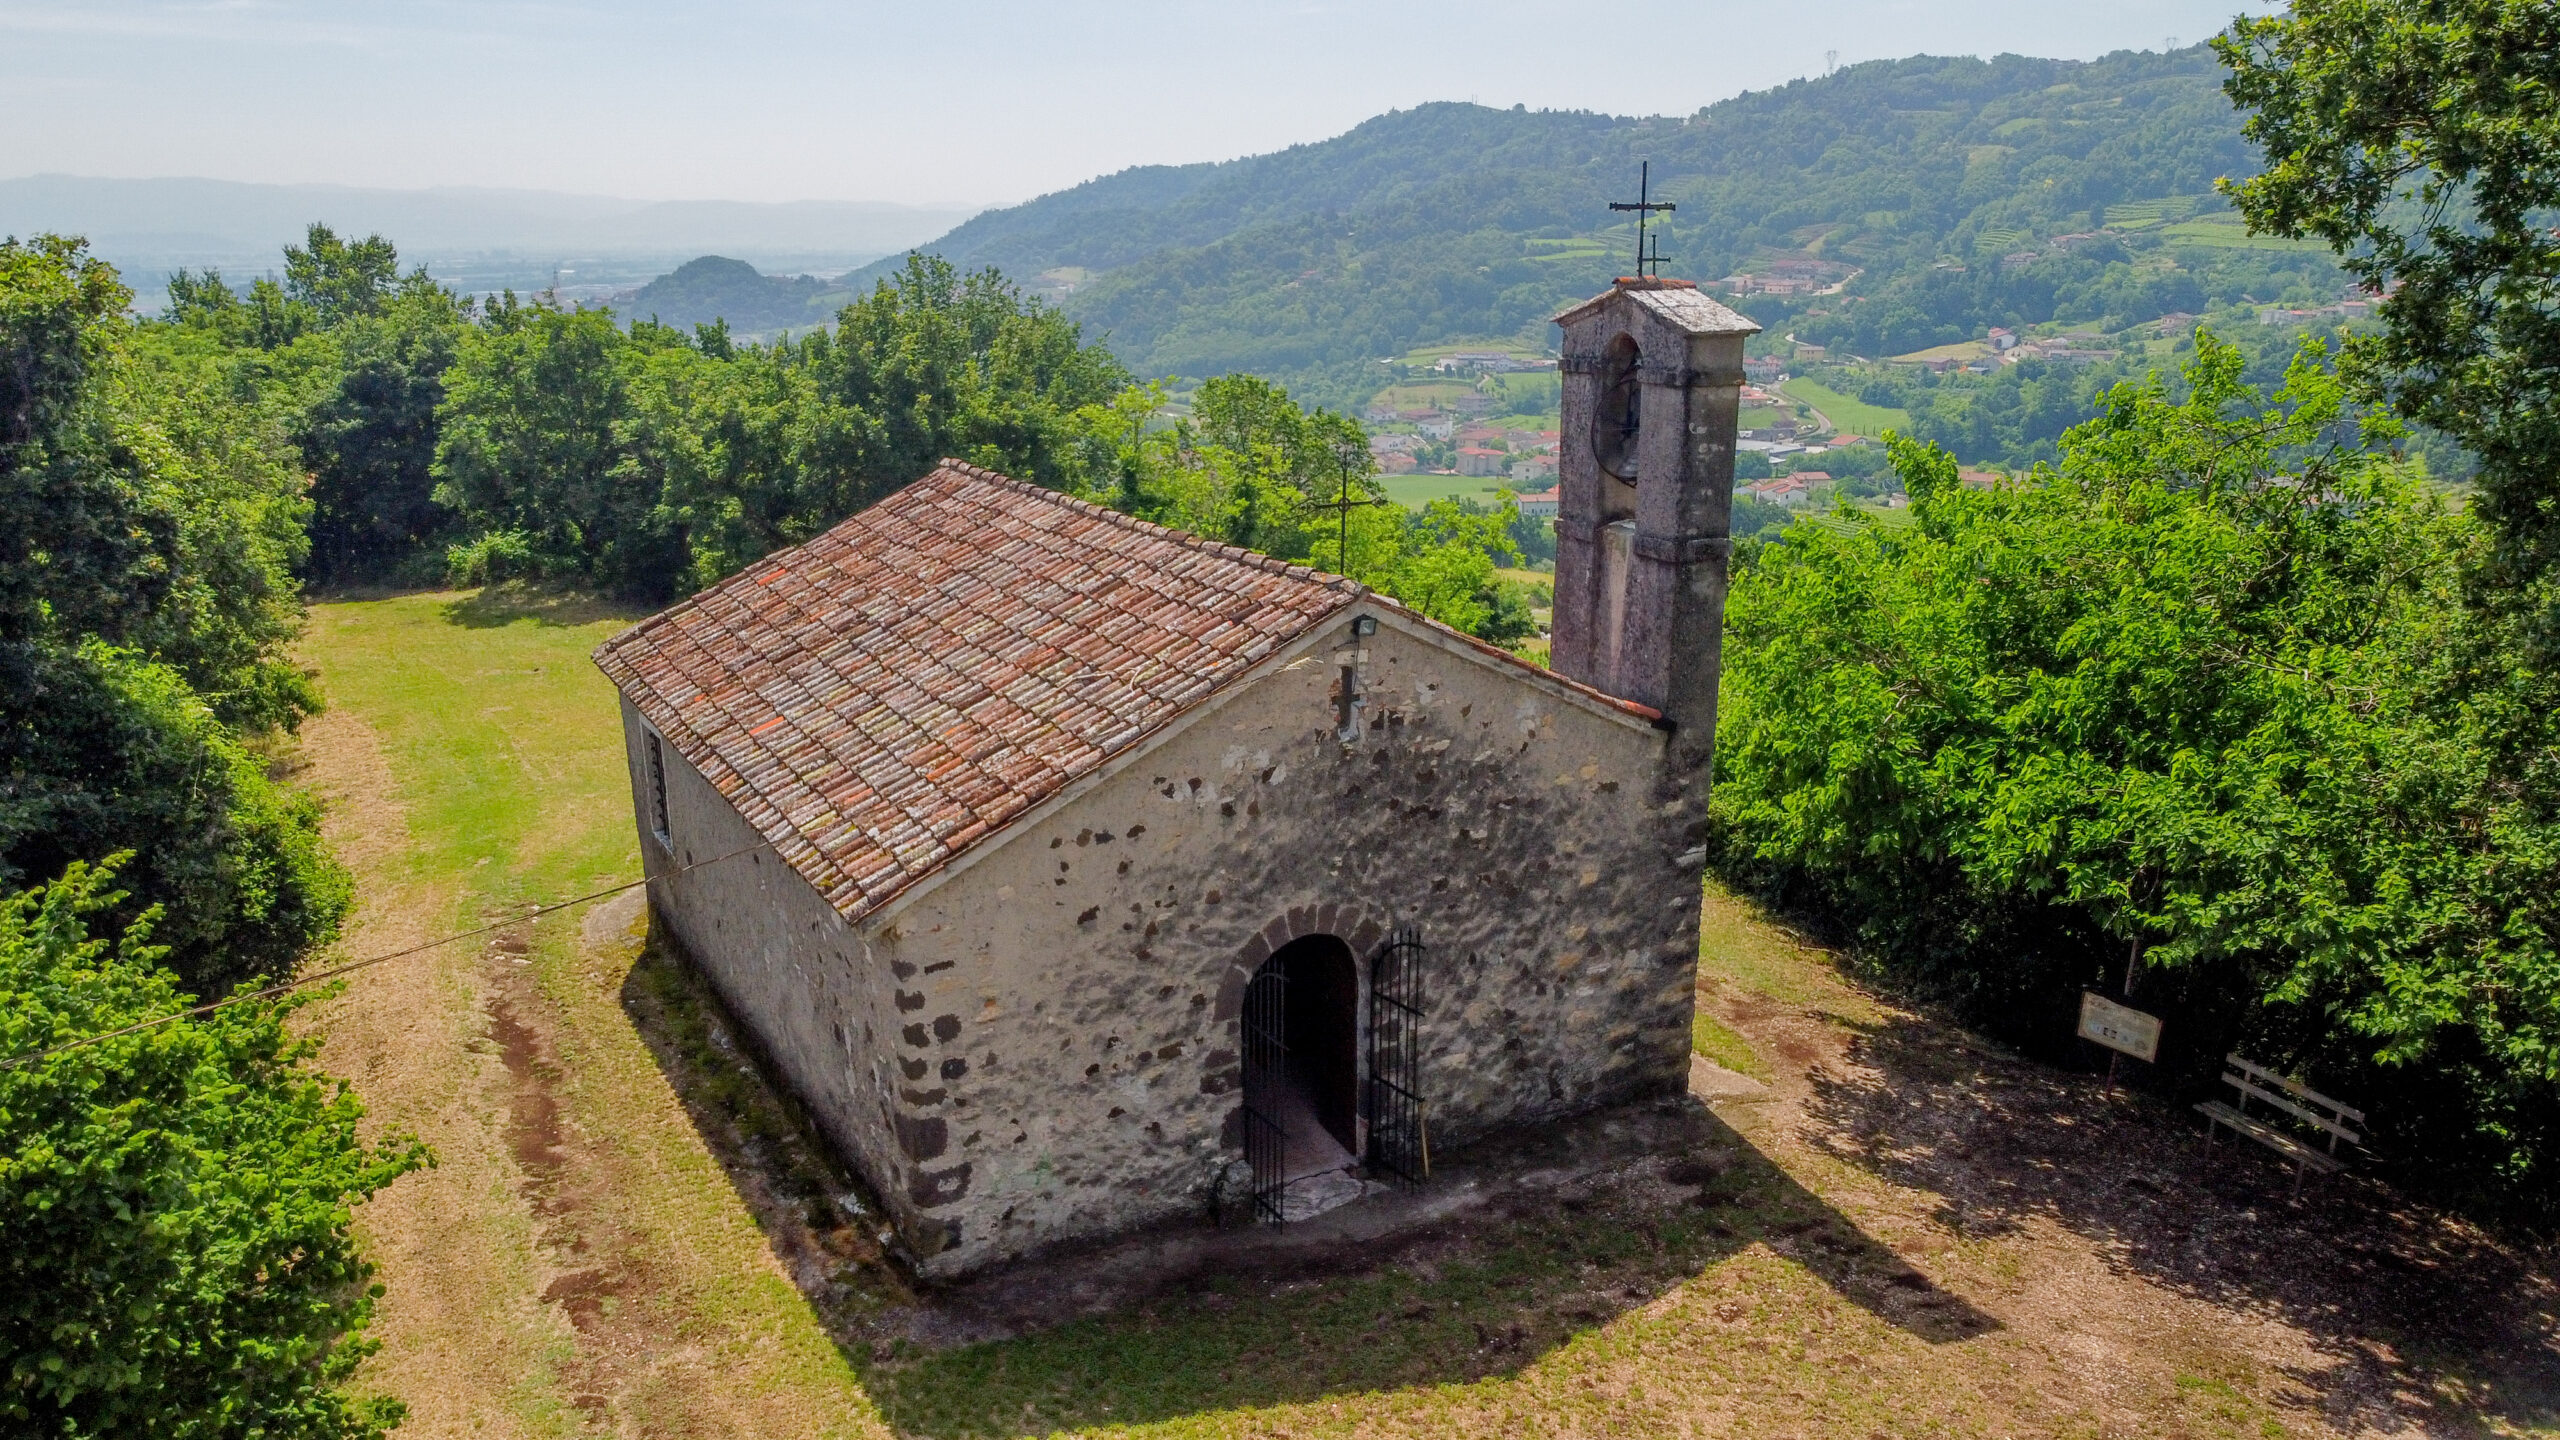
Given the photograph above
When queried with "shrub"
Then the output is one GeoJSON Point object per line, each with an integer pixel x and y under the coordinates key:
{"type": "Point", "coordinates": [102, 751]}
{"type": "Point", "coordinates": [176, 1200]}
{"type": "Point", "coordinates": [491, 557]}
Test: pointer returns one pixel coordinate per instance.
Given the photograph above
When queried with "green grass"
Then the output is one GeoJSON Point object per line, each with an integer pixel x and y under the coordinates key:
{"type": "Point", "coordinates": [2143, 214]}
{"type": "Point", "coordinates": [503, 734]}
{"type": "Point", "coordinates": [1853, 416]}
{"type": "Point", "coordinates": [1416, 491]}
{"type": "Point", "coordinates": [507, 787]}
{"type": "Point", "coordinates": [1427, 354]}
{"type": "Point", "coordinates": [2228, 232]}
{"type": "Point", "coordinates": [1710, 1037]}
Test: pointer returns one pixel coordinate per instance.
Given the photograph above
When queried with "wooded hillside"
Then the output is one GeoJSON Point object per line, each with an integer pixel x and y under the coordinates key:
{"type": "Point", "coordinates": [1929, 177]}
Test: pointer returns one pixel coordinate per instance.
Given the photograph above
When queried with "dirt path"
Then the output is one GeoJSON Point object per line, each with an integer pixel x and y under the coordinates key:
{"type": "Point", "coordinates": [574, 1263]}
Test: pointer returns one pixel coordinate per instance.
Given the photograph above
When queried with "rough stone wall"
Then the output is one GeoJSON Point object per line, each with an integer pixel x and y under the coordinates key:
{"type": "Point", "coordinates": [1070, 1062]}
{"type": "Point", "coordinates": [782, 959]}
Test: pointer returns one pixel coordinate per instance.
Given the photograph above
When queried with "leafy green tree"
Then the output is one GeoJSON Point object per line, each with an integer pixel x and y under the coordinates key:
{"type": "Point", "coordinates": [933, 364]}
{"type": "Point", "coordinates": [146, 602]}
{"type": "Point", "coordinates": [2197, 712]}
{"type": "Point", "coordinates": [140, 502]}
{"type": "Point", "coordinates": [371, 436]}
{"type": "Point", "coordinates": [340, 279]}
{"type": "Point", "coordinates": [79, 548]}
{"type": "Point", "coordinates": [2421, 140]}
{"type": "Point", "coordinates": [539, 435]}
{"type": "Point", "coordinates": [176, 1200]}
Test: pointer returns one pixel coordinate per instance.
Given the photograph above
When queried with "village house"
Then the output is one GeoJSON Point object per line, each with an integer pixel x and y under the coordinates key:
{"type": "Point", "coordinates": [1791, 491]}
{"type": "Point", "coordinates": [1482, 460]}
{"type": "Point", "coordinates": [1080, 874]}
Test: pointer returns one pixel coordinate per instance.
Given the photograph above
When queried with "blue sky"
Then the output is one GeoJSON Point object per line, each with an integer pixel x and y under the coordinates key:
{"type": "Point", "coordinates": [994, 100]}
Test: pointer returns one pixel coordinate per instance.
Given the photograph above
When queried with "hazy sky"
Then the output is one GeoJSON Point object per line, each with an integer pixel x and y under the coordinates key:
{"type": "Point", "coordinates": [997, 100]}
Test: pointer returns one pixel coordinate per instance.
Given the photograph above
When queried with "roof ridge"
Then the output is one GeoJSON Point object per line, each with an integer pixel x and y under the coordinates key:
{"type": "Point", "coordinates": [1580, 689]}
{"type": "Point", "coordinates": [1242, 553]}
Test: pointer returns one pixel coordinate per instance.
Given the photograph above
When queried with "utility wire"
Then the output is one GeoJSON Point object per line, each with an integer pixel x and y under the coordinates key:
{"type": "Point", "coordinates": [332, 973]}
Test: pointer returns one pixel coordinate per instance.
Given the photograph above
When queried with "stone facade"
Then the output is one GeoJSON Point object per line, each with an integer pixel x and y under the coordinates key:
{"type": "Point", "coordinates": [1042, 1044]}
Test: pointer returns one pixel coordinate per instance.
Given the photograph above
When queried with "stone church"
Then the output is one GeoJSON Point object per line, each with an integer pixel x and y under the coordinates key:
{"type": "Point", "coordinates": [1082, 874]}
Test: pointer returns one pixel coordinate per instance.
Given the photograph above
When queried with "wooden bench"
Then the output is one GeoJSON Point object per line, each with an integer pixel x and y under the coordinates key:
{"type": "Point", "coordinates": [2255, 1082]}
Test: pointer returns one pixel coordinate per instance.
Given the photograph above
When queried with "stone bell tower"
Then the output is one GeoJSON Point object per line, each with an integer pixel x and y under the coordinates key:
{"type": "Point", "coordinates": [1652, 396]}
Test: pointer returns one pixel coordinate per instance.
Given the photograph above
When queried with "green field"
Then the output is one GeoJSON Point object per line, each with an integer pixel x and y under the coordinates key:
{"type": "Point", "coordinates": [1853, 416]}
{"type": "Point", "coordinates": [1429, 354]}
{"type": "Point", "coordinates": [1416, 491]}
{"type": "Point", "coordinates": [2228, 232]}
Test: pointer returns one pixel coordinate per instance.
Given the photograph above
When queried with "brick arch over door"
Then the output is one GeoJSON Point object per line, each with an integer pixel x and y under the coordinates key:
{"type": "Point", "coordinates": [1347, 923]}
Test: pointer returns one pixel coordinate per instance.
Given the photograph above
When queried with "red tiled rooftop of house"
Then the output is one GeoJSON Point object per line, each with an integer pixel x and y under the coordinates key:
{"type": "Point", "coordinates": [879, 699]}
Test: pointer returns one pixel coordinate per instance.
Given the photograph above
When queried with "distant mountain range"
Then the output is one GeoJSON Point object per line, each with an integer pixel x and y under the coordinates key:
{"type": "Point", "coordinates": [477, 239]}
{"type": "Point", "coordinates": [1931, 186]}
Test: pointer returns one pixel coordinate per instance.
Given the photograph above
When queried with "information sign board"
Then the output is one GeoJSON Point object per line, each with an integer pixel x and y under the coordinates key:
{"type": "Point", "coordinates": [2118, 1027]}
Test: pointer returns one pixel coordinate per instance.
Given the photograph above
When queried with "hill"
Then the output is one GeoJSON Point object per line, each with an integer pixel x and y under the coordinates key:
{"type": "Point", "coordinates": [1926, 193]}
{"type": "Point", "coordinates": [716, 288]}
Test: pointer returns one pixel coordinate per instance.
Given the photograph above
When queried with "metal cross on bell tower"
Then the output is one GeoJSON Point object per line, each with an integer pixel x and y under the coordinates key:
{"type": "Point", "coordinates": [1644, 206]}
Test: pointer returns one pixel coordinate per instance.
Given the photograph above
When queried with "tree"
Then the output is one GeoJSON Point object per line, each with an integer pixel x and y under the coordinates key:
{"type": "Point", "coordinates": [932, 364]}
{"type": "Point", "coordinates": [2197, 711]}
{"type": "Point", "coordinates": [104, 751]}
{"type": "Point", "coordinates": [340, 280]}
{"type": "Point", "coordinates": [538, 437]}
{"type": "Point", "coordinates": [176, 1200]}
{"type": "Point", "coordinates": [148, 524]}
{"type": "Point", "coordinates": [2421, 140]}
{"type": "Point", "coordinates": [79, 548]}
{"type": "Point", "coordinates": [371, 436]}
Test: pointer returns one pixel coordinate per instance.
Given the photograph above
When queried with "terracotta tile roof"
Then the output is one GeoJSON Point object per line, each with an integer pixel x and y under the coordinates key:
{"type": "Point", "coordinates": [876, 701]}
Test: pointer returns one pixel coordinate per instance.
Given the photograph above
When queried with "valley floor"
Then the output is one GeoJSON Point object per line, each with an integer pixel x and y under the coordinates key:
{"type": "Point", "coordinates": [1908, 1232]}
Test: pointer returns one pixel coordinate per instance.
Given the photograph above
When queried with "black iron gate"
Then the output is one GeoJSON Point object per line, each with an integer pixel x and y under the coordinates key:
{"type": "Point", "coordinates": [1266, 1061]}
{"type": "Point", "coordinates": [1398, 1144]}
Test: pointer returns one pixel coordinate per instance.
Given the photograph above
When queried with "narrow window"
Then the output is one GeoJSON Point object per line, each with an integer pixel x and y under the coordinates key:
{"type": "Point", "coordinates": [657, 789]}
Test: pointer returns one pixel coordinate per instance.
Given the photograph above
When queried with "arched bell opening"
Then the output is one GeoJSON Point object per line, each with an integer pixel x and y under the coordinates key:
{"type": "Point", "coordinates": [1617, 422]}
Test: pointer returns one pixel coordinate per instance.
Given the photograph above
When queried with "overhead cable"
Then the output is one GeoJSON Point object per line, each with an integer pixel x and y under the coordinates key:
{"type": "Point", "coordinates": [316, 977]}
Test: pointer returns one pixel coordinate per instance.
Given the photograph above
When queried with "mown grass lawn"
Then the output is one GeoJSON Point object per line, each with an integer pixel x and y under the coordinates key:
{"type": "Point", "coordinates": [473, 765]}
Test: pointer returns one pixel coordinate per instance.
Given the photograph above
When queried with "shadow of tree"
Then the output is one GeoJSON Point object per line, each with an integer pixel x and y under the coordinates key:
{"type": "Point", "coordinates": [2416, 1311]}
{"type": "Point", "coordinates": [509, 601]}
{"type": "Point", "coordinates": [1577, 1223]}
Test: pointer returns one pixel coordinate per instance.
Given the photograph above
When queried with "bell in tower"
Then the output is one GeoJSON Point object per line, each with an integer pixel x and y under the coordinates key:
{"type": "Point", "coordinates": [1652, 398]}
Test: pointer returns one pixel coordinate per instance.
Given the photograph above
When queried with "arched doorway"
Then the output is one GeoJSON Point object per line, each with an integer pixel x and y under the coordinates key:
{"type": "Point", "coordinates": [1302, 1062]}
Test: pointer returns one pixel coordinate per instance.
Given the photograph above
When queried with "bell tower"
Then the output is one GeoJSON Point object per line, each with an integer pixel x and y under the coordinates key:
{"type": "Point", "coordinates": [1652, 397]}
